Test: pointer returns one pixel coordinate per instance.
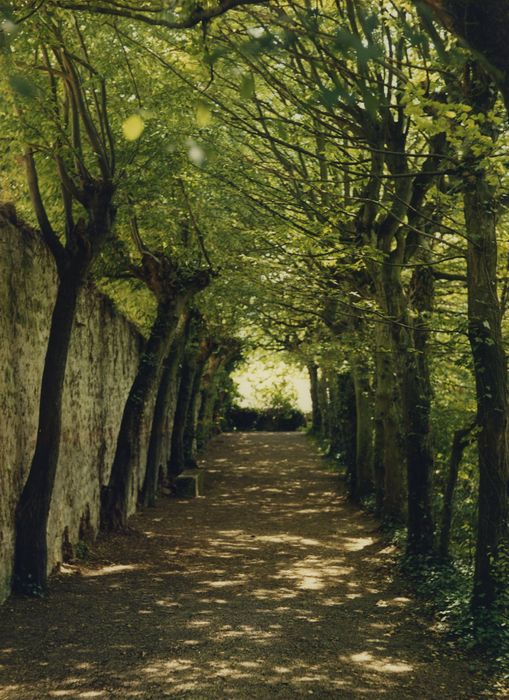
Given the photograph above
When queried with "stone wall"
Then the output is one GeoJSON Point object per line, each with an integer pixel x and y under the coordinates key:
{"type": "Point", "coordinates": [104, 355]}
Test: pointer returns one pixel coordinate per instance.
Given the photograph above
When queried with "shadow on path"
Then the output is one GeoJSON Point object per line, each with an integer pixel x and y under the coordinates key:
{"type": "Point", "coordinates": [270, 586]}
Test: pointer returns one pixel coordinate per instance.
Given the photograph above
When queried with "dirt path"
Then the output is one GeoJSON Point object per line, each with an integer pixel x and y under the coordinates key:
{"type": "Point", "coordinates": [270, 586]}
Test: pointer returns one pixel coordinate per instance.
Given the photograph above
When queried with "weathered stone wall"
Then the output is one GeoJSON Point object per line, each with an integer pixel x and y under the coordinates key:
{"type": "Point", "coordinates": [104, 355]}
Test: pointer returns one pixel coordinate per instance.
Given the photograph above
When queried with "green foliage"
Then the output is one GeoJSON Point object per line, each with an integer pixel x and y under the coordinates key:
{"type": "Point", "coordinates": [82, 550]}
{"type": "Point", "coordinates": [269, 419]}
{"type": "Point", "coordinates": [22, 85]}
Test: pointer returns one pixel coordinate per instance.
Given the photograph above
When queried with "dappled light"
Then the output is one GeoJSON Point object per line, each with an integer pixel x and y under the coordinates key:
{"type": "Point", "coordinates": [271, 584]}
{"type": "Point", "coordinates": [109, 570]}
{"type": "Point", "coordinates": [382, 665]}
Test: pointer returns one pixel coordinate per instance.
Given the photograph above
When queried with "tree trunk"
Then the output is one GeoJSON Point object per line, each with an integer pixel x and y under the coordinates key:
{"type": "Point", "coordinates": [348, 428]}
{"type": "Point", "coordinates": [335, 415]}
{"type": "Point", "coordinates": [422, 292]}
{"type": "Point", "coordinates": [316, 419]}
{"type": "Point", "coordinates": [323, 402]}
{"type": "Point", "coordinates": [364, 431]}
{"type": "Point", "coordinates": [190, 429]}
{"type": "Point", "coordinates": [189, 438]}
{"type": "Point", "coordinates": [390, 448]}
{"type": "Point", "coordinates": [209, 394]}
{"type": "Point", "coordinates": [379, 426]}
{"type": "Point", "coordinates": [115, 496]}
{"type": "Point", "coordinates": [177, 461]}
{"type": "Point", "coordinates": [485, 336]}
{"type": "Point", "coordinates": [410, 357]}
{"type": "Point", "coordinates": [378, 457]}
{"type": "Point", "coordinates": [32, 511]}
{"type": "Point", "coordinates": [460, 441]}
{"type": "Point", "coordinates": [156, 459]}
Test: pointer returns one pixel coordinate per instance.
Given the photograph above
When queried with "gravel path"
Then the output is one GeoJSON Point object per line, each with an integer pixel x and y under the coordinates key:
{"type": "Point", "coordinates": [271, 586]}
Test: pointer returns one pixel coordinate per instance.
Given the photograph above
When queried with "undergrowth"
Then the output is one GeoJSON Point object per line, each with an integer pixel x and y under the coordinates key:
{"type": "Point", "coordinates": [447, 590]}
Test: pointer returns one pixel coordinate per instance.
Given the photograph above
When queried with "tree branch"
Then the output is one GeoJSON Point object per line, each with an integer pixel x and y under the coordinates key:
{"type": "Point", "coordinates": [48, 234]}
{"type": "Point", "coordinates": [196, 15]}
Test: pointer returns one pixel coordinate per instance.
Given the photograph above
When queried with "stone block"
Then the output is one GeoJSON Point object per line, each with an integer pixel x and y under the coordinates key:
{"type": "Point", "coordinates": [189, 483]}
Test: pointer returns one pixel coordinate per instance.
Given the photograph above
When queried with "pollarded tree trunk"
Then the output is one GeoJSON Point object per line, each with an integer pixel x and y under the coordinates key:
{"type": "Point", "coordinates": [209, 394]}
{"type": "Point", "coordinates": [217, 412]}
{"type": "Point", "coordinates": [224, 387]}
{"type": "Point", "coordinates": [411, 363]}
{"type": "Point", "coordinates": [203, 426]}
{"type": "Point", "coordinates": [364, 429]}
{"type": "Point", "coordinates": [156, 459]}
{"type": "Point", "coordinates": [206, 415]}
{"type": "Point", "coordinates": [177, 461]}
{"type": "Point", "coordinates": [316, 416]}
{"type": "Point", "coordinates": [115, 496]}
{"type": "Point", "coordinates": [190, 428]}
{"type": "Point", "coordinates": [32, 511]}
{"type": "Point", "coordinates": [485, 336]}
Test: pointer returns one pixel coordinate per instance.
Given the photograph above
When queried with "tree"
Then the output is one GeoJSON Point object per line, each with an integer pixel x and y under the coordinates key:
{"type": "Point", "coordinates": [81, 146]}
{"type": "Point", "coordinates": [490, 363]}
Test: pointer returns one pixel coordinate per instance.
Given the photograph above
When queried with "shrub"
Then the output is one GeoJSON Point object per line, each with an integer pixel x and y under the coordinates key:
{"type": "Point", "coordinates": [267, 419]}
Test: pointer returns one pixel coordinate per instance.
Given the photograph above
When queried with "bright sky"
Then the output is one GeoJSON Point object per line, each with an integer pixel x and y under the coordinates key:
{"type": "Point", "coordinates": [260, 373]}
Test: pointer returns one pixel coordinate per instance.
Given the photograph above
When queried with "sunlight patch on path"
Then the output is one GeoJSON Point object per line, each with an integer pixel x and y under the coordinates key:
{"type": "Point", "coordinates": [380, 664]}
